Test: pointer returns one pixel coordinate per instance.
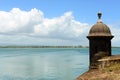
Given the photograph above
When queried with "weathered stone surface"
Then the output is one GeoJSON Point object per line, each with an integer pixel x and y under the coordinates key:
{"type": "Point", "coordinates": [99, 75]}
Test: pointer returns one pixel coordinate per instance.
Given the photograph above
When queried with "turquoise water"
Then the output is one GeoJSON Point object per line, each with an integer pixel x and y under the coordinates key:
{"type": "Point", "coordinates": [43, 64]}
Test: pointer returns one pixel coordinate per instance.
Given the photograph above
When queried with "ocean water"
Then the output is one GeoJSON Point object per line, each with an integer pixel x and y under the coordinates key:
{"type": "Point", "coordinates": [44, 63]}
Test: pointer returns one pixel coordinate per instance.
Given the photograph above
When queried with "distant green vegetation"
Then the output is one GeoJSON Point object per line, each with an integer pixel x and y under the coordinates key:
{"type": "Point", "coordinates": [115, 47]}
{"type": "Point", "coordinates": [47, 46]}
{"type": "Point", "coordinates": [43, 47]}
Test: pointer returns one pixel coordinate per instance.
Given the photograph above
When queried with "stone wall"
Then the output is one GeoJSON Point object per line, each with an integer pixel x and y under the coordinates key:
{"type": "Point", "coordinates": [108, 63]}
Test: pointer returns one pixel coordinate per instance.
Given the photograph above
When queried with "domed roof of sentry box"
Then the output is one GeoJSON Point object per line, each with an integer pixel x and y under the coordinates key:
{"type": "Point", "coordinates": [100, 29]}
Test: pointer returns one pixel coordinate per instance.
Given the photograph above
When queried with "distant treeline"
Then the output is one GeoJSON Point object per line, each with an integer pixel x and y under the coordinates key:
{"type": "Point", "coordinates": [43, 46]}
{"type": "Point", "coordinates": [47, 47]}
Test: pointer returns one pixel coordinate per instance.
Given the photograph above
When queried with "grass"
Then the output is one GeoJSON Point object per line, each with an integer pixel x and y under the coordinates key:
{"type": "Point", "coordinates": [112, 68]}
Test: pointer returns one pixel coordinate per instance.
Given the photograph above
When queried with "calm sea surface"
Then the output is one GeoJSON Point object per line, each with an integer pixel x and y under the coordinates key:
{"type": "Point", "coordinates": [43, 64]}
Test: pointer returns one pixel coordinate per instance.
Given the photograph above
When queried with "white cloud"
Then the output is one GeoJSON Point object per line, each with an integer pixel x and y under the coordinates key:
{"type": "Point", "coordinates": [18, 23]}
{"type": "Point", "coordinates": [64, 27]}
{"type": "Point", "coordinates": [31, 27]}
{"type": "Point", "coordinates": [116, 33]}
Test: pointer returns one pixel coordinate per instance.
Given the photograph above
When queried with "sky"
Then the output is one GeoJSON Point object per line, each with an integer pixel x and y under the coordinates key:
{"type": "Point", "coordinates": [55, 22]}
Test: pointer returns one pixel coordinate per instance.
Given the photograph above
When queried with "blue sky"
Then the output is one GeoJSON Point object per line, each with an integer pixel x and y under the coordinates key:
{"type": "Point", "coordinates": [55, 22]}
{"type": "Point", "coordinates": [83, 10]}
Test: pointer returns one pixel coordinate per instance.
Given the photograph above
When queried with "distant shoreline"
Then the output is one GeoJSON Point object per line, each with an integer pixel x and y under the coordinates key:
{"type": "Point", "coordinates": [47, 47]}
{"type": "Point", "coordinates": [43, 46]}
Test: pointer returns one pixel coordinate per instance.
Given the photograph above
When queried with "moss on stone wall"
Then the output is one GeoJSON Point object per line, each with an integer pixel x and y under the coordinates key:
{"type": "Point", "coordinates": [112, 67]}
